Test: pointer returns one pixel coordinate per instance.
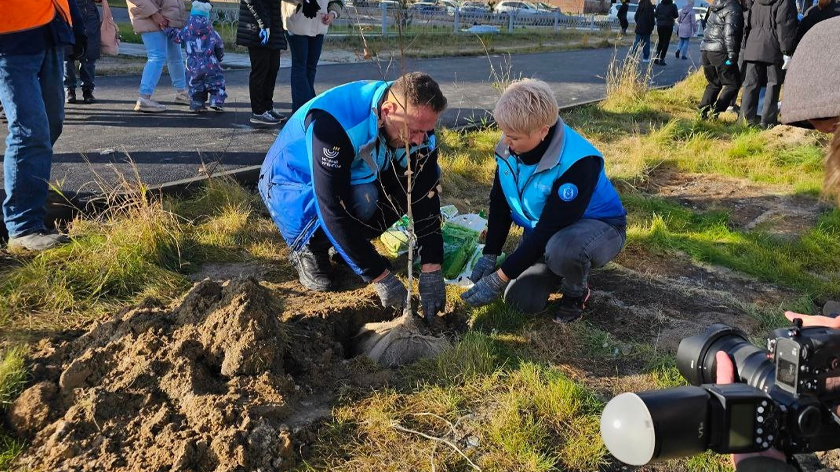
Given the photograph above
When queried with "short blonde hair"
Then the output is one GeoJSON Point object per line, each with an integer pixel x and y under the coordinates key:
{"type": "Point", "coordinates": [526, 106]}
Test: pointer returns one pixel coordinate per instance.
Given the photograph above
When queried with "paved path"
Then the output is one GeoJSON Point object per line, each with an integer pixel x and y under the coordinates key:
{"type": "Point", "coordinates": [99, 139]}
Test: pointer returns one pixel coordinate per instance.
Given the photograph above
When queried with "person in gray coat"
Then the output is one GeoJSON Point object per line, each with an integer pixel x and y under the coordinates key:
{"type": "Point", "coordinates": [770, 38]}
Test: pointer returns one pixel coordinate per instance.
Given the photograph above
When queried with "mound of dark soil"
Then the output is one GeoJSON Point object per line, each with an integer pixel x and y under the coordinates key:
{"type": "Point", "coordinates": [218, 382]}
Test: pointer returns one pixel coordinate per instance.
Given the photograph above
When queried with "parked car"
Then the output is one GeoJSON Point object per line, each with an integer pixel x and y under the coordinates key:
{"type": "Point", "coordinates": [699, 13]}
{"type": "Point", "coordinates": [516, 8]}
{"type": "Point", "coordinates": [631, 12]}
{"type": "Point", "coordinates": [546, 7]}
{"type": "Point", "coordinates": [450, 6]}
{"type": "Point", "coordinates": [428, 7]}
{"type": "Point", "coordinates": [478, 7]}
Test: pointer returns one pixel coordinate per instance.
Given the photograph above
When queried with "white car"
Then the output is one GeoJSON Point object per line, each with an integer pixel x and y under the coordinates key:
{"type": "Point", "coordinates": [631, 12]}
{"type": "Point", "coordinates": [516, 8]}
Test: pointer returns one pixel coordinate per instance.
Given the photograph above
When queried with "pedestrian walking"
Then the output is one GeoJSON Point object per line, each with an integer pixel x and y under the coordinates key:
{"type": "Point", "coordinates": [719, 50]}
{"type": "Point", "coordinates": [622, 16]}
{"type": "Point", "coordinates": [149, 18]}
{"type": "Point", "coordinates": [32, 43]}
{"type": "Point", "coordinates": [666, 12]}
{"type": "Point", "coordinates": [86, 68]}
{"type": "Point", "coordinates": [686, 26]}
{"type": "Point", "coordinates": [205, 51]}
{"type": "Point", "coordinates": [770, 38]}
{"type": "Point", "coordinates": [306, 23]}
{"type": "Point", "coordinates": [645, 21]}
{"type": "Point", "coordinates": [260, 30]}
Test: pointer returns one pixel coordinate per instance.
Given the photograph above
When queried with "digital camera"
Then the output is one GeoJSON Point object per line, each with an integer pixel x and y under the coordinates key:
{"type": "Point", "coordinates": [784, 397]}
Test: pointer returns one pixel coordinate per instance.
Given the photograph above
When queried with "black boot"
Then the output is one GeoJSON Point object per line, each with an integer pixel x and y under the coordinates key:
{"type": "Point", "coordinates": [71, 96]}
{"type": "Point", "coordinates": [313, 269]}
{"type": "Point", "coordinates": [571, 308]}
{"type": "Point", "coordinates": [87, 96]}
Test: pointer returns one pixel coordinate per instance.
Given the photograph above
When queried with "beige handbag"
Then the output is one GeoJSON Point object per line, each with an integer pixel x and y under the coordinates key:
{"type": "Point", "coordinates": [110, 36]}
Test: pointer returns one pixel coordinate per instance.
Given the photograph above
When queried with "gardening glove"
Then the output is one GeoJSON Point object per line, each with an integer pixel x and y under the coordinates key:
{"type": "Point", "coordinates": [432, 293]}
{"type": "Point", "coordinates": [786, 62]}
{"type": "Point", "coordinates": [391, 291]}
{"type": "Point", "coordinates": [484, 291]}
{"type": "Point", "coordinates": [310, 8]}
{"type": "Point", "coordinates": [484, 267]}
{"type": "Point", "coordinates": [264, 34]}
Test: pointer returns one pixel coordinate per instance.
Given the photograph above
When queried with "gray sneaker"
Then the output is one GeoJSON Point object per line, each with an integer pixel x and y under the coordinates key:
{"type": "Point", "coordinates": [265, 119]}
{"type": "Point", "coordinates": [147, 105]}
{"type": "Point", "coordinates": [280, 117]}
{"type": "Point", "coordinates": [40, 241]}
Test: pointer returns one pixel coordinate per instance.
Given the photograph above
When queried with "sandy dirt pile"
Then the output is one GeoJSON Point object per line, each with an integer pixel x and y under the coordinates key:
{"type": "Point", "coordinates": [210, 384]}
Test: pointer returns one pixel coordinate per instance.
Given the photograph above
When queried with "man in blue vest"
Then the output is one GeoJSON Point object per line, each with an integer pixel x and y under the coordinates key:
{"type": "Point", "coordinates": [551, 182]}
{"type": "Point", "coordinates": [337, 177]}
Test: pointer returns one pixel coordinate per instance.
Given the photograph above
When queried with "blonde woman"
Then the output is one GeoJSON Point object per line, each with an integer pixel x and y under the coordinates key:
{"type": "Point", "coordinates": [551, 182]}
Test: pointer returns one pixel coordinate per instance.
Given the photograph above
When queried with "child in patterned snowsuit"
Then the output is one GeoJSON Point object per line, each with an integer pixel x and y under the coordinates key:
{"type": "Point", "coordinates": [204, 51]}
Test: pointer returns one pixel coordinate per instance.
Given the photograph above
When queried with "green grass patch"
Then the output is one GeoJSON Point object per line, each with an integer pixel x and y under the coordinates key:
{"type": "Point", "coordinates": [10, 448]}
{"type": "Point", "coordinates": [806, 264]}
{"type": "Point", "coordinates": [141, 247]}
{"type": "Point", "coordinates": [127, 33]}
{"type": "Point", "coordinates": [13, 375]}
{"type": "Point", "coordinates": [527, 418]}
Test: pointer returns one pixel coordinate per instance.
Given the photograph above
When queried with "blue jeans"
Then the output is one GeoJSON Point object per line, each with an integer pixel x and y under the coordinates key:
{"type": "Point", "coordinates": [570, 255]}
{"type": "Point", "coordinates": [32, 95]}
{"type": "Point", "coordinates": [682, 46]}
{"type": "Point", "coordinates": [645, 40]}
{"type": "Point", "coordinates": [160, 50]}
{"type": "Point", "coordinates": [87, 73]}
{"type": "Point", "coordinates": [305, 52]}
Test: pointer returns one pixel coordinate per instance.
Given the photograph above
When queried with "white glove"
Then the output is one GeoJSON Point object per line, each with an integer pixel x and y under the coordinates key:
{"type": "Point", "coordinates": [786, 62]}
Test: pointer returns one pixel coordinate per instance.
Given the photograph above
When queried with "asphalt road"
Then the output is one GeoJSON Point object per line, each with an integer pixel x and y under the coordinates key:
{"type": "Point", "coordinates": [108, 138]}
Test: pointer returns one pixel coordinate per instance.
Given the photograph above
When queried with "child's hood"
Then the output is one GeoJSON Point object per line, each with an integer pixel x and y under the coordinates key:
{"type": "Point", "coordinates": [198, 25]}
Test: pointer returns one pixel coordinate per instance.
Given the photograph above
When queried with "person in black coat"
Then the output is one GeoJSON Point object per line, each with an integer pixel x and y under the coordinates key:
{"type": "Point", "coordinates": [622, 16]}
{"type": "Point", "coordinates": [823, 10]}
{"type": "Point", "coordinates": [771, 35]}
{"type": "Point", "coordinates": [666, 12]}
{"type": "Point", "coordinates": [645, 21]}
{"type": "Point", "coordinates": [261, 31]}
{"type": "Point", "coordinates": [86, 69]}
{"type": "Point", "coordinates": [720, 48]}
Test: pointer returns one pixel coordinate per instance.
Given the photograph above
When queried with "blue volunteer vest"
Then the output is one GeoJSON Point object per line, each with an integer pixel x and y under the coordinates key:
{"type": "Point", "coordinates": [286, 175]}
{"type": "Point", "coordinates": [527, 188]}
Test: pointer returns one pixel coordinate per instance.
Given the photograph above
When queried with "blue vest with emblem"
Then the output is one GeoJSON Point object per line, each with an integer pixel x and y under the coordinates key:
{"type": "Point", "coordinates": [527, 188]}
{"type": "Point", "coordinates": [286, 175]}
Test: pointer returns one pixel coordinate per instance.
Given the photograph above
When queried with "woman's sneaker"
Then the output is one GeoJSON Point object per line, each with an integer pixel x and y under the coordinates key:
{"type": "Point", "coordinates": [182, 97]}
{"type": "Point", "coordinates": [571, 308]}
{"type": "Point", "coordinates": [147, 105]}
{"type": "Point", "coordinates": [265, 119]}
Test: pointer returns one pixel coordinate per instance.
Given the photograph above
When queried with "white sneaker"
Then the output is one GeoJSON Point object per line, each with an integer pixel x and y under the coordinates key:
{"type": "Point", "coordinates": [147, 105]}
{"type": "Point", "coordinates": [182, 97]}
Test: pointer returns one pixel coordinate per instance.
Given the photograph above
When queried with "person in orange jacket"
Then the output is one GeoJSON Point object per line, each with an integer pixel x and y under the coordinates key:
{"type": "Point", "coordinates": [32, 43]}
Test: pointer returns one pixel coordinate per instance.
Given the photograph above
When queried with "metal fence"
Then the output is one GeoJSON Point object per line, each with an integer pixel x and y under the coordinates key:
{"type": "Point", "coordinates": [386, 19]}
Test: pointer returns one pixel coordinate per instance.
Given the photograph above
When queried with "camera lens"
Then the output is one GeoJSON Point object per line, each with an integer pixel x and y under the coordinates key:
{"type": "Point", "coordinates": [661, 424]}
{"type": "Point", "coordinates": [696, 357]}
